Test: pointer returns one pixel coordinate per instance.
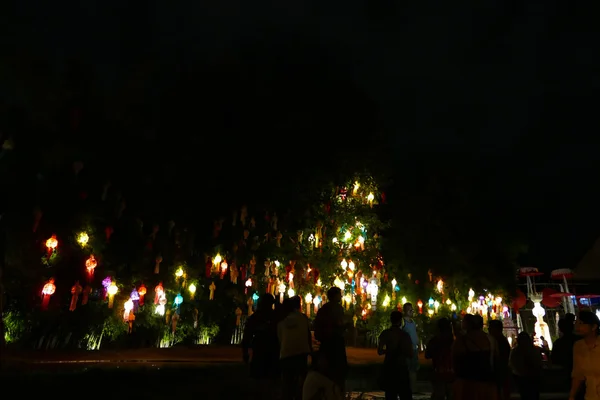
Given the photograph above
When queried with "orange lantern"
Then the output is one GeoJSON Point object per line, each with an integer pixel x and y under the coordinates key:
{"type": "Point", "coordinates": [47, 291]}
{"type": "Point", "coordinates": [142, 293]}
{"type": "Point", "coordinates": [90, 265]}
{"type": "Point", "coordinates": [420, 305]}
{"type": "Point", "coordinates": [51, 244]}
{"type": "Point", "coordinates": [159, 291]}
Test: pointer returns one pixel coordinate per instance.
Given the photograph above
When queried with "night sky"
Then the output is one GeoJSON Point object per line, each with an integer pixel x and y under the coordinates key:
{"type": "Point", "coordinates": [502, 91]}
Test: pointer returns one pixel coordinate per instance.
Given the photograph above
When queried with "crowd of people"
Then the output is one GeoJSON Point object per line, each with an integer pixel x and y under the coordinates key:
{"type": "Point", "coordinates": [468, 363]}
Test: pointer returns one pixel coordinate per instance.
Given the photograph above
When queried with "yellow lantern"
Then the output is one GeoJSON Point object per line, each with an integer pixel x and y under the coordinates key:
{"type": "Point", "coordinates": [111, 290]}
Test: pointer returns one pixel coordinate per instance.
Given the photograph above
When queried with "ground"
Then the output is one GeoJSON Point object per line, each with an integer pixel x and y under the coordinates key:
{"type": "Point", "coordinates": [205, 371]}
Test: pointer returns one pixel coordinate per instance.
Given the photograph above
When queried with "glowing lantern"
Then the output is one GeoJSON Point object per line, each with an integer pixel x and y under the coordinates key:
{"type": "Point", "coordinates": [135, 298]}
{"type": "Point", "coordinates": [371, 198]}
{"type": "Point", "coordinates": [344, 264]}
{"type": "Point", "coordinates": [386, 301]}
{"type": "Point", "coordinates": [373, 290]}
{"type": "Point", "coordinates": [471, 295]}
{"type": "Point", "coordinates": [316, 302]}
{"type": "Point", "coordinates": [355, 189]}
{"type": "Point", "coordinates": [159, 292]}
{"type": "Point", "coordinates": [308, 300]}
{"type": "Point", "coordinates": [347, 301]}
{"type": "Point", "coordinates": [339, 283]}
{"type": "Point", "coordinates": [47, 291]}
{"type": "Point", "coordinates": [83, 239]}
{"type": "Point", "coordinates": [217, 260]}
{"type": "Point", "coordinates": [453, 307]}
{"type": "Point", "coordinates": [90, 265]}
{"type": "Point", "coordinates": [291, 293]}
{"type": "Point", "coordinates": [178, 300]}
{"type": "Point", "coordinates": [394, 282]}
{"type": "Point", "coordinates": [430, 302]}
{"type": "Point", "coordinates": [281, 289]}
{"type": "Point", "coordinates": [112, 290]}
{"type": "Point", "coordinates": [347, 236]}
{"type": "Point", "coordinates": [192, 290]}
{"type": "Point", "coordinates": [105, 284]}
{"type": "Point", "coordinates": [51, 245]}
{"type": "Point", "coordinates": [436, 306]}
{"type": "Point", "coordinates": [179, 273]}
{"type": "Point", "coordinates": [404, 300]}
{"type": "Point", "coordinates": [224, 267]}
{"type": "Point", "coordinates": [440, 286]}
{"type": "Point", "coordinates": [351, 266]}
{"type": "Point", "coordinates": [448, 302]}
{"type": "Point", "coordinates": [128, 307]}
{"type": "Point", "coordinates": [420, 305]}
{"type": "Point", "coordinates": [142, 293]}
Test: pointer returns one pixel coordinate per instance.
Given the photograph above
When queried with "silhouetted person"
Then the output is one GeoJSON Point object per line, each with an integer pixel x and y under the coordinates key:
{"type": "Point", "coordinates": [502, 370]}
{"type": "Point", "coordinates": [397, 347]}
{"type": "Point", "coordinates": [473, 357]}
{"type": "Point", "coordinates": [586, 357]}
{"type": "Point", "coordinates": [562, 351]}
{"type": "Point", "coordinates": [439, 350]}
{"type": "Point", "coordinates": [295, 342]}
{"type": "Point", "coordinates": [410, 327]}
{"type": "Point", "coordinates": [329, 331]}
{"type": "Point", "coordinates": [260, 335]}
{"type": "Point", "coordinates": [526, 365]}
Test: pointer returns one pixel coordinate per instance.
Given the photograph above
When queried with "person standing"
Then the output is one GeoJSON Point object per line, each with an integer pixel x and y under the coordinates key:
{"type": "Point", "coordinates": [329, 332]}
{"type": "Point", "coordinates": [496, 329]}
{"type": "Point", "coordinates": [473, 357]}
{"type": "Point", "coordinates": [397, 347]}
{"type": "Point", "coordinates": [586, 357]}
{"type": "Point", "coordinates": [410, 327]}
{"type": "Point", "coordinates": [562, 351]}
{"type": "Point", "coordinates": [295, 341]}
{"type": "Point", "coordinates": [260, 336]}
{"type": "Point", "coordinates": [526, 365]}
{"type": "Point", "coordinates": [439, 351]}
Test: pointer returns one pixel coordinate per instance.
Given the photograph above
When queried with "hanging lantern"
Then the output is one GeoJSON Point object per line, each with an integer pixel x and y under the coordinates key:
{"type": "Point", "coordinates": [212, 289]}
{"type": "Point", "coordinates": [111, 290]}
{"type": "Point", "coordinates": [142, 293]}
{"type": "Point", "coordinates": [179, 273]}
{"type": "Point", "coordinates": [90, 265]}
{"type": "Point", "coordinates": [159, 292]}
{"type": "Point", "coordinates": [47, 291]}
{"type": "Point", "coordinates": [128, 308]}
{"type": "Point", "coordinates": [420, 305]}
{"type": "Point", "coordinates": [51, 245]}
{"type": "Point", "coordinates": [308, 300]}
{"type": "Point", "coordinates": [135, 299]}
{"type": "Point", "coordinates": [83, 239]}
{"type": "Point", "coordinates": [178, 300]}
{"type": "Point", "coordinates": [192, 289]}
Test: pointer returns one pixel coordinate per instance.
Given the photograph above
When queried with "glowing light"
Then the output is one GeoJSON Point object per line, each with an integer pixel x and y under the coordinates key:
{"type": "Point", "coordinates": [217, 260]}
{"type": "Point", "coordinates": [179, 272]}
{"type": "Point", "coordinates": [347, 235]}
{"type": "Point", "coordinates": [430, 302]}
{"type": "Point", "coordinates": [471, 294]}
{"type": "Point", "coordinates": [339, 283]}
{"type": "Point", "coordinates": [344, 264]}
{"type": "Point", "coordinates": [192, 288]}
{"type": "Point", "coordinates": [386, 301]}
{"type": "Point", "coordinates": [83, 239]}
{"type": "Point", "coordinates": [52, 243]}
{"type": "Point", "coordinates": [448, 302]}
{"type": "Point", "coordinates": [112, 289]}
{"type": "Point", "coordinates": [351, 265]}
{"type": "Point", "coordinates": [394, 282]}
{"type": "Point", "coordinates": [178, 299]}
{"type": "Point", "coordinates": [249, 282]}
{"type": "Point", "coordinates": [453, 307]}
{"type": "Point", "coordinates": [91, 263]}
{"type": "Point", "coordinates": [334, 240]}
{"type": "Point", "coordinates": [440, 286]}
{"type": "Point", "coordinates": [291, 292]}
{"type": "Point", "coordinates": [277, 263]}
{"type": "Point", "coordinates": [49, 288]}
{"type": "Point", "coordinates": [308, 298]}
{"type": "Point", "coordinates": [128, 305]}
{"type": "Point", "coordinates": [404, 301]}
{"type": "Point", "coordinates": [371, 197]}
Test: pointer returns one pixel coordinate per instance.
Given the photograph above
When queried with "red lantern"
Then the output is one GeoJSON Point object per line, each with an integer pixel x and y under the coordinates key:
{"type": "Point", "coordinates": [142, 293]}
{"type": "Point", "coordinates": [420, 305]}
{"type": "Point", "coordinates": [47, 291]}
{"type": "Point", "coordinates": [549, 299]}
{"type": "Point", "coordinates": [519, 301]}
{"type": "Point", "coordinates": [159, 291]}
{"type": "Point", "coordinates": [51, 245]}
{"type": "Point", "coordinates": [90, 265]}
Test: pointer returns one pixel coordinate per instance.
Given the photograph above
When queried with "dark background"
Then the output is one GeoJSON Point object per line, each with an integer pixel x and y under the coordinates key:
{"type": "Point", "coordinates": [486, 109]}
